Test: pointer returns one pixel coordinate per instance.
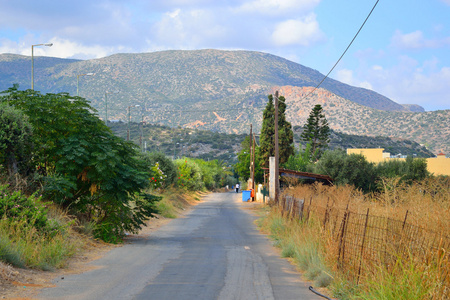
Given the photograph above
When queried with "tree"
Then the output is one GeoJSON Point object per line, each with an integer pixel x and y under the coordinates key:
{"type": "Point", "coordinates": [15, 140]}
{"type": "Point", "coordinates": [285, 134]}
{"type": "Point", "coordinates": [316, 132]}
{"type": "Point", "coordinates": [84, 167]}
{"type": "Point", "coordinates": [351, 169]}
{"type": "Point", "coordinates": [242, 167]}
{"type": "Point", "coordinates": [166, 165]}
{"type": "Point", "coordinates": [301, 161]}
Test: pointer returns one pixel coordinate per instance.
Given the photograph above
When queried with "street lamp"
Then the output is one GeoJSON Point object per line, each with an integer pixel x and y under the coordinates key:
{"type": "Point", "coordinates": [106, 105]}
{"type": "Point", "coordinates": [78, 76]}
{"type": "Point", "coordinates": [32, 61]}
{"type": "Point", "coordinates": [129, 118]}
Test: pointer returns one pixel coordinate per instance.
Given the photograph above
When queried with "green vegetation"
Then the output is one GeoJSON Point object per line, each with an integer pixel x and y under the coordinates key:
{"type": "Point", "coordinates": [83, 166]}
{"type": "Point", "coordinates": [242, 167]}
{"type": "Point", "coordinates": [316, 132]}
{"type": "Point", "coordinates": [28, 236]}
{"type": "Point", "coordinates": [300, 242]}
{"type": "Point", "coordinates": [55, 146]}
{"type": "Point", "coordinates": [267, 138]}
{"type": "Point", "coordinates": [182, 142]}
{"type": "Point", "coordinates": [355, 170]}
{"type": "Point", "coordinates": [15, 140]}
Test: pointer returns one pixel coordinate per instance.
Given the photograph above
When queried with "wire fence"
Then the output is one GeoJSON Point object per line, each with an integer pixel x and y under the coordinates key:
{"type": "Point", "coordinates": [365, 241]}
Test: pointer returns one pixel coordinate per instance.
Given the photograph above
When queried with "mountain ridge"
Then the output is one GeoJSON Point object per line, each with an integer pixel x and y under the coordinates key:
{"type": "Point", "coordinates": [222, 91]}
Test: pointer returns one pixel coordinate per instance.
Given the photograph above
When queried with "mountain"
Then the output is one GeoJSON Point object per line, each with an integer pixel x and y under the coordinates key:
{"type": "Point", "coordinates": [431, 129]}
{"type": "Point", "coordinates": [223, 91]}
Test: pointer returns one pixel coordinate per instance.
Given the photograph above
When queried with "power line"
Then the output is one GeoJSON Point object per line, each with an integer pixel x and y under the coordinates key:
{"type": "Point", "coordinates": [360, 28]}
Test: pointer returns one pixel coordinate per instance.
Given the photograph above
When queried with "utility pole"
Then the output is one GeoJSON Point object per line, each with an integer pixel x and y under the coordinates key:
{"type": "Point", "coordinates": [253, 166]}
{"type": "Point", "coordinates": [141, 133]}
{"type": "Point", "coordinates": [277, 151]}
{"type": "Point", "coordinates": [252, 159]}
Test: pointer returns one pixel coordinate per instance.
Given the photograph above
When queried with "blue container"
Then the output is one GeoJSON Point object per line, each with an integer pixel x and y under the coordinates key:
{"type": "Point", "coordinates": [246, 195]}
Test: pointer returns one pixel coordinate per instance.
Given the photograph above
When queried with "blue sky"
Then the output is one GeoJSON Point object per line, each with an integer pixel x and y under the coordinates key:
{"type": "Point", "coordinates": [402, 52]}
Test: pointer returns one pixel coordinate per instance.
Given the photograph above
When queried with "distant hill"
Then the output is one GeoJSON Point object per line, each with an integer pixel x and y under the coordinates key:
{"type": "Point", "coordinates": [208, 145]}
{"type": "Point", "coordinates": [223, 91]}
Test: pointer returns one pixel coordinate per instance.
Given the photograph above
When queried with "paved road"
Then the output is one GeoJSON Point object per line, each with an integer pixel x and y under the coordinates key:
{"type": "Point", "coordinates": [214, 252]}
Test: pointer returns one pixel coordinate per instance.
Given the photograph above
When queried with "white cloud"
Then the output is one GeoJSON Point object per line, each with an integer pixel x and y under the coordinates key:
{"type": "Point", "coordinates": [346, 76]}
{"type": "Point", "coordinates": [189, 29]}
{"type": "Point", "coordinates": [62, 48]}
{"type": "Point", "coordinates": [275, 7]}
{"type": "Point", "coordinates": [407, 82]}
{"type": "Point", "coordinates": [304, 32]}
{"type": "Point", "coordinates": [416, 40]}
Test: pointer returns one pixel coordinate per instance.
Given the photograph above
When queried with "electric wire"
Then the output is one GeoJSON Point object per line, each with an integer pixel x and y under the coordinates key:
{"type": "Point", "coordinates": [326, 76]}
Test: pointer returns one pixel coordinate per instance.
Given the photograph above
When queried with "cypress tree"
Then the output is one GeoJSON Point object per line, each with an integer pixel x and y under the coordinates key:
{"type": "Point", "coordinates": [285, 134]}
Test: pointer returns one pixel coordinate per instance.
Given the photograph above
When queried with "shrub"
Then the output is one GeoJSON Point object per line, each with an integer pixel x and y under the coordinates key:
{"type": "Point", "coordinates": [17, 207]}
{"type": "Point", "coordinates": [351, 169]}
{"type": "Point", "coordinates": [15, 140]}
{"type": "Point", "coordinates": [166, 165]}
{"type": "Point", "coordinates": [189, 175]}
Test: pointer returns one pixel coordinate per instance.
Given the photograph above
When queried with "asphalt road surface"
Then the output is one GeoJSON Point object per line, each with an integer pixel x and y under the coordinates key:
{"type": "Point", "coordinates": [214, 252]}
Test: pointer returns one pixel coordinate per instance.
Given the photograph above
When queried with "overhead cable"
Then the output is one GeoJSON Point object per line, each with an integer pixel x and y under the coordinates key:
{"type": "Point", "coordinates": [326, 76]}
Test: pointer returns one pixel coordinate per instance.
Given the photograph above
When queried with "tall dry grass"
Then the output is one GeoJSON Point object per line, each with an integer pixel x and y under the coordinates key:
{"type": "Point", "coordinates": [427, 202]}
{"type": "Point", "coordinates": [415, 271]}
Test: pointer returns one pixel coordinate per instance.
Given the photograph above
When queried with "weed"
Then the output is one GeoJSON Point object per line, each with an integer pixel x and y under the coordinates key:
{"type": "Point", "coordinates": [166, 208]}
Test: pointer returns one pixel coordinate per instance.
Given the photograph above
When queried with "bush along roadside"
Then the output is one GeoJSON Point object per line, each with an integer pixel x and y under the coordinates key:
{"type": "Point", "coordinates": [28, 237]}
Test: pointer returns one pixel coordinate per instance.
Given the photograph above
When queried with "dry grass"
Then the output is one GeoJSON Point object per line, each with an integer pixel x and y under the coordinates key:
{"type": "Point", "coordinates": [411, 250]}
{"type": "Point", "coordinates": [427, 202]}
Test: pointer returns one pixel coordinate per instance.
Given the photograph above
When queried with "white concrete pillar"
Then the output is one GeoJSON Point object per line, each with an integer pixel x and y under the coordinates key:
{"type": "Point", "coordinates": [272, 181]}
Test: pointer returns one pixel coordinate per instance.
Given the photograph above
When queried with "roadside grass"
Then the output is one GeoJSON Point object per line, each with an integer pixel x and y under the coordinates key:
{"type": "Point", "coordinates": [22, 245]}
{"type": "Point", "coordinates": [175, 201]}
{"type": "Point", "coordinates": [313, 248]}
{"type": "Point", "coordinates": [301, 242]}
{"type": "Point", "coordinates": [408, 280]}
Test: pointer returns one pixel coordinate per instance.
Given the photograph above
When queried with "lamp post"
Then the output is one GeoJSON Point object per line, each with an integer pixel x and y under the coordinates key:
{"type": "Point", "coordinates": [129, 119]}
{"type": "Point", "coordinates": [106, 105]}
{"type": "Point", "coordinates": [32, 61]}
{"type": "Point", "coordinates": [78, 76]}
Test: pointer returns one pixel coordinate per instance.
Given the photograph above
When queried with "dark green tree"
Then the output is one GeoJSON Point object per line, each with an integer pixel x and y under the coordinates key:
{"type": "Point", "coordinates": [15, 140]}
{"type": "Point", "coordinates": [285, 134]}
{"type": "Point", "coordinates": [351, 169]}
{"type": "Point", "coordinates": [316, 132]}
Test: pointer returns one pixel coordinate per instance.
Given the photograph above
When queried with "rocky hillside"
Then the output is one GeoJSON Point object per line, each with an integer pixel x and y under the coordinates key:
{"type": "Point", "coordinates": [222, 91]}
{"type": "Point", "coordinates": [431, 129]}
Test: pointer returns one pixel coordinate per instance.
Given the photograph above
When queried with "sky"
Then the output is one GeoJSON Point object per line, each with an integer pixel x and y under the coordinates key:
{"type": "Point", "coordinates": [402, 51]}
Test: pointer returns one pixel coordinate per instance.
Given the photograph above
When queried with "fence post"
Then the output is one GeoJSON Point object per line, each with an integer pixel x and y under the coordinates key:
{"type": "Point", "coordinates": [326, 214]}
{"type": "Point", "coordinates": [404, 221]}
{"type": "Point", "coordinates": [341, 238]}
{"type": "Point", "coordinates": [309, 208]}
{"type": "Point", "coordinates": [301, 204]}
{"type": "Point", "coordinates": [362, 245]}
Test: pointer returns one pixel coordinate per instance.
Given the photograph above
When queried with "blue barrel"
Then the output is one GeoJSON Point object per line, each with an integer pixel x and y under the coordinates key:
{"type": "Point", "coordinates": [246, 195]}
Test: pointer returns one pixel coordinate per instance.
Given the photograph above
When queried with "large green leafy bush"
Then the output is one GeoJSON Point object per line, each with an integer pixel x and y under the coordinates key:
{"type": "Point", "coordinates": [84, 167]}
